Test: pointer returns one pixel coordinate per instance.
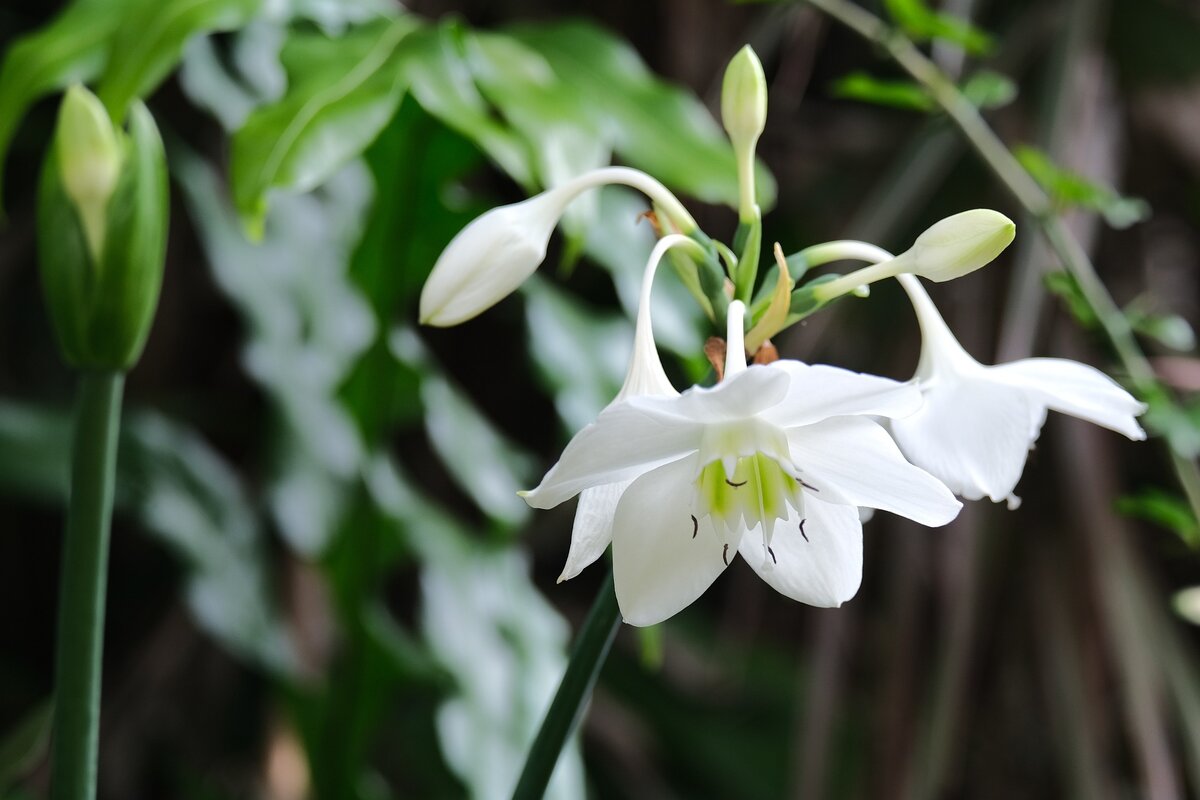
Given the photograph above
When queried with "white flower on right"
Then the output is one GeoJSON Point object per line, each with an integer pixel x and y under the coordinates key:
{"type": "Point", "coordinates": [978, 422]}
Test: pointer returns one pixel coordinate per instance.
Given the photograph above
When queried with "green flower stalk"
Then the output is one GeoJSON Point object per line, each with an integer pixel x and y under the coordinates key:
{"type": "Point", "coordinates": [102, 229]}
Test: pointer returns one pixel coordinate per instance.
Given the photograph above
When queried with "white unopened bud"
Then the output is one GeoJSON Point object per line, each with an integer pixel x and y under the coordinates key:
{"type": "Point", "coordinates": [494, 254]}
{"type": "Point", "coordinates": [490, 258]}
{"type": "Point", "coordinates": [959, 244]}
{"type": "Point", "coordinates": [950, 248]}
{"type": "Point", "coordinates": [89, 161]}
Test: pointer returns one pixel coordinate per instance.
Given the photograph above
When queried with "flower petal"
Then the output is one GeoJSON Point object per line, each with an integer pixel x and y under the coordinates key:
{"type": "Point", "coordinates": [662, 561]}
{"type": "Point", "coordinates": [973, 435]}
{"type": "Point", "coordinates": [818, 392]}
{"type": "Point", "coordinates": [592, 531]}
{"type": "Point", "coordinates": [852, 460]}
{"type": "Point", "coordinates": [740, 396]}
{"type": "Point", "coordinates": [627, 439]}
{"type": "Point", "coordinates": [1076, 389]}
{"type": "Point", "coordinates": [824, 569]}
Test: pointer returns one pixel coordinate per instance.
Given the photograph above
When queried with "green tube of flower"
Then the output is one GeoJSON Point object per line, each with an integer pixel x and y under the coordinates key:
{"type": "Point", "coordinates": [102, 231]}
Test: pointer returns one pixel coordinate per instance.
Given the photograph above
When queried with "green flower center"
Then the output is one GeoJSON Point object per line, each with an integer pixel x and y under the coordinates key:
{"type": "Point", "coordinates": [760, 490]}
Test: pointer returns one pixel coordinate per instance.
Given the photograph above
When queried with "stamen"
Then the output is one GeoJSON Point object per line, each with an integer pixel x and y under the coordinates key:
{"type": "Point", "coordinates": [695, 525]}
{"type": "Point", "coordinates": [802, 533]}
{"type": "Point", "coordinates": [772, 552]}
{"type": "Point", "coordinates": [735, 485]}
{"type": "Point", "coordinates": [725, 555]}
{"type": "Point", "coordinates": [806, 485]}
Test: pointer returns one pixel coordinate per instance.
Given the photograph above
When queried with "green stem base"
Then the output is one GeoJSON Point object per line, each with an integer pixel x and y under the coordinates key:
{"type": "Point", "coordinates": [82, 590]}
{"type": "Point", "coordinates": [591, 650]}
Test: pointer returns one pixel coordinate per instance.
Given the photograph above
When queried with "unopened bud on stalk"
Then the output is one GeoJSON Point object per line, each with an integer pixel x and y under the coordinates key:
{"type": "Point", "coordinates": [102, 231]}
{"type": "Point", "coordinates": [950, 248]}
{"type": "Point", "coordinates": [497, 251]}
{"type": "Point", "coordinates": [744, 115]}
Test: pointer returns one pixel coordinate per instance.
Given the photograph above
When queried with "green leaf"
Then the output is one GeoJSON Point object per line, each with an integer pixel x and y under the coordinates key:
{"type": "Point", "coordinates": [73, 48]}
{"type": "Point", "coordinates": [652, 125]}
{"type": "Point", "coordinates": [922, 23]}
{"type": "Point", "coordinates": [1067, 288]}
{"type": "Point", "coordinates": [149, 43]}
{"type": "Point", "coordinates": [1178, 423]}
{"type": "Point", "coordinates": [25, 744]}
{"type": "Point", "coordinates": [893, 93]}
{"type": "Point", "coordinates": [1169, 330]}
{"type": "Point", "coordinates": [442, 82]}
{"type": "Point", "coordinates": [342, 94]}
{"type": "Point", "coordinates": [989, 89]}
{"type": "Point", "coordinates": [1071, 190]}
{"type": "Point", "coordinates": [1171, 511]}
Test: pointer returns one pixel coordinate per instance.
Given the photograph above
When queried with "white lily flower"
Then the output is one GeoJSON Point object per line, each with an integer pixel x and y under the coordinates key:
{"type": "Point", "coordinates": [979, 422]}
{"type": "Point", "coordinates": [771, 464]}
{"type": "Point", "coordinates": [498, 250]}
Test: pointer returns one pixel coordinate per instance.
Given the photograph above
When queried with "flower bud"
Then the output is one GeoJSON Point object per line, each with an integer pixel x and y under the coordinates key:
{"type": "Point", "coordinates": [744, 115]}
{"type": "Point", "coordinates": [101, 249]}
{"type": "Point", "coordinates": [490, 258]}
{"type": "Point", "coordinates": [89, 158]}
{"type": "Point", "coordinates": [744, 99]}
{"type": "Point", "coordinates": [959, 244]}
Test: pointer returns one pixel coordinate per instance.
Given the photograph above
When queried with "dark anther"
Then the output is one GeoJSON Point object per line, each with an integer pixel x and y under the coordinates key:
{"type": "Point", "coordinates": [735, 485]}
{"type": "Point", "coordinates": [695, 526]}
{"type": "Point", "coordinates": [772, 552]}
{"type": "Point", "coordinates": [808, 485]}
{"type": "Point", "coordinates": [725, 555]}
{"type": "Point", "coordinates": [802, 533]}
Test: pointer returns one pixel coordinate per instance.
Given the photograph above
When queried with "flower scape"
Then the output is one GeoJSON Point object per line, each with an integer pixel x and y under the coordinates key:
{"type": "Point", "coordinates": [775, 461]}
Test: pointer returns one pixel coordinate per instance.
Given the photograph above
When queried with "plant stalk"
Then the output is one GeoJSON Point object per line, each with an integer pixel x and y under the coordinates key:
{"type": "Point", "coordinates": [82, 590]}
{"type": "Point", "coordinates": [574, 692]}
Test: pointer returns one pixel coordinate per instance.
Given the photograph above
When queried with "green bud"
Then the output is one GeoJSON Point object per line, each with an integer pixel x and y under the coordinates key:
{"type": "Point", "coordinates": [102, 250]}
{"type": "Point", "coordinates": [744, 114]}
{"type": "Point", "coordinates": [959, 244]}
{"type": "Point", "coordinates": [744, 99]}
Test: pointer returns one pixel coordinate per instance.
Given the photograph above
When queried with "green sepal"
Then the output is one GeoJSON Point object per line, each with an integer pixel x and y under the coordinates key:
{"type": "Point", "coordinates": [102, 312]}
{"type": "Point", "coordinates": [804, 303]}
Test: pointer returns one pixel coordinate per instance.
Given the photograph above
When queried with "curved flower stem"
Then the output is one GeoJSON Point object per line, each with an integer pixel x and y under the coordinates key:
{"type": "Point", "coordinates": [1028, 194]}
{"type": "Point", "coordinates": [83, 580]}
{"type": "Point", "coordinates": [589, 654]}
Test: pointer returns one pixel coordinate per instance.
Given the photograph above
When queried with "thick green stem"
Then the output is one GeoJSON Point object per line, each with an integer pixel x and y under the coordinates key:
{"type": "Point", "coordinates": [82, 590]}
{"type": "Point", "coordinates": [591, 650]}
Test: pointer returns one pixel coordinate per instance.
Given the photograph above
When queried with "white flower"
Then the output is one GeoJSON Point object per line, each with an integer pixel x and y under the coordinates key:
{"type": "Point", "coordinates": [498, 250]}
{"type": "Point", "coordinates": [979, 422]}
{"type": "Point", "coordinates": [771, 464]}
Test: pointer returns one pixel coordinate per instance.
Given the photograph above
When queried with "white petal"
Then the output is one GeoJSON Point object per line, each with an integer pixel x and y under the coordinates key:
{"type": "Point", "coordinates": [818, 392]}
{"type": "Point", "coordinates": [1076, 389]}
{"type": "Point", "coordinates": [659, 567]}
{"type": "Point", "coordinates": [592, 531]}
{"type": "Point", "coordinates": [852, 460]}
{"type": "Point", "coordinates": [825, 570]}
{"type": "Point", "coordinates": [973, 435]}
{"type": "Point", "coordinates": [626, 440]}
{"type": "Point", "coordinates": [744, 395]}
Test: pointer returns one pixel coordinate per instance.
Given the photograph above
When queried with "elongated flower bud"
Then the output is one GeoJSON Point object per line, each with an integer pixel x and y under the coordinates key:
{"type": "Point", "coordinates": [102, 229]}
{"type": "Point", "coordinates": [490, 258]}
{"type": "Point", "coordinates": [948, 249]}
{"type": "Point", "coordinates": [494, 254]}
{"type": "Point", "coordinates": [959, 244]}
{"type": "Point", "coordinates": [744, 115]}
